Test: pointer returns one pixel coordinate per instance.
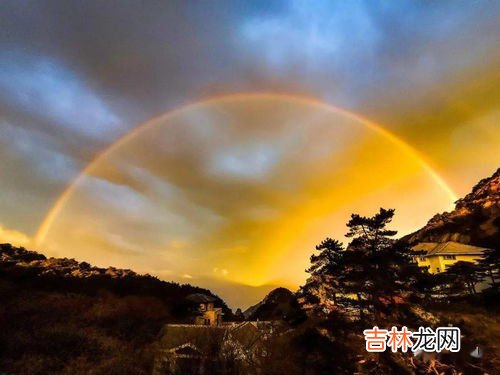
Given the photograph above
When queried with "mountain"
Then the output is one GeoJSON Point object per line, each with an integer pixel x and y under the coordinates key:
{"type": "Point", "coordinates": [279, 304]}
{"type": "Point", "coordinates": [475, 219]}
{"type": "Point", "coordinates": [69, 275]}
{"type": "Point", "coordinates": [62, 267]}
{"type": "Point", "coordinates": [68, 317]}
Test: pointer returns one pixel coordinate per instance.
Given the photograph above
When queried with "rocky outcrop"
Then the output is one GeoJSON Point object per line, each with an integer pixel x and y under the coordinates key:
{"type": "Point", "coordinates": [475, 219]}
{"type": "Point", "coordinates": [62, 267]}
{"type": "Point", "coordinates": [12, 254]}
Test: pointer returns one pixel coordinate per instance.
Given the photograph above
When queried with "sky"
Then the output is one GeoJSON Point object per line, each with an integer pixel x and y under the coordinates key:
{"type": "Point", "coordinates": [264, 125]}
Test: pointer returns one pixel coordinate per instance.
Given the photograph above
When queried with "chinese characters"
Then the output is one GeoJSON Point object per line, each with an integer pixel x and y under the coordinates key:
{"type": "Point", "coordinates": [425, 339]}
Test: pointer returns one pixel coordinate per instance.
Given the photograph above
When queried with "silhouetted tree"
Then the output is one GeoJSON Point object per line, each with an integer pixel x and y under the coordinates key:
{"type": "Point", "coordinates": [376, 262]}
{"type": "Point", "coordinates": [489, 266]}
{"type": "Point", "coordinates": [374, 275]}
{"type": "Point", "coordinates": [323, 285]}
{"type": "Point", "coordinates": [462, 277]}
{"type": "Point", "coordinates": [328, 259]}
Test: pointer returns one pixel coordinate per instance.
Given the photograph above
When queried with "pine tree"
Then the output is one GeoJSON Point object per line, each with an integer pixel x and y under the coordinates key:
{"type": "Point", "coordinates": [462, 278]}
{"type": "Point", "coordinates": [373, 263]}
{"type": "Point", "coordinates": [327, 261]}
{"type": "Point", "coordinates": [322, 287]}
{"type": "Point", "coordinates": [374, 275]}
{"type": "Point", "coordinates": [370, 233]}
{"type": "Point", "coordinates": [489, 267]}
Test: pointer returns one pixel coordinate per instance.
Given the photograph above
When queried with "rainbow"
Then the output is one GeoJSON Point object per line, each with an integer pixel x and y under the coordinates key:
{"type": "Point", "coordinates": [68, 191]}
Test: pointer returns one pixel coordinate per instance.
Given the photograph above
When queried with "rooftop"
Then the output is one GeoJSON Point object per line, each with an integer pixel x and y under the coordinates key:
{"type": "Point", "coordinates": [207, 338]}
{"type": "Point", "coordinates": [450, 247]}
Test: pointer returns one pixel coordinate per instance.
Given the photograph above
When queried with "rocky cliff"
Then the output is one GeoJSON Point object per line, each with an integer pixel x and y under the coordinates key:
{"type": "Point", "coordinates": [475, 219]}
{"type": "Point", "coordinates": [62, 267]}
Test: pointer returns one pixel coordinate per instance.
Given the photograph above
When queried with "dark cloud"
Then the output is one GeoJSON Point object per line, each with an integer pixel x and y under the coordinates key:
{"type": "Point", "coordinates": [75, 76]}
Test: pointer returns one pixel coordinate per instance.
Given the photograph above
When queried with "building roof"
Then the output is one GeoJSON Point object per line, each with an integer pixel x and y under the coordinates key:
{"type": "Point", "coordinates": [450, 247]}
{"type": "Point", "coordinates": [203, 338]}
{"type": "Point", "coordinates": [206, 339]}
{"type": "Point", "coordinates": [249, 333]}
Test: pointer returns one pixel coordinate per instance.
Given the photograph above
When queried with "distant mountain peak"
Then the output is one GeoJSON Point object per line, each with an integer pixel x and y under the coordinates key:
{"type": "Point", "coordinates": [278, 304]}
{"type": "Point", "coordinates": [278, 294]}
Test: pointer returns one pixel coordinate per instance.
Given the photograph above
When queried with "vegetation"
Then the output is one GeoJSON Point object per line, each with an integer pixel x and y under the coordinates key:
{"type": "Point", "coordinates": [374, 275]}
{"type": "Point", "coordinates": [375, 281]}
{"type": "Point", "coordinates": [52, 322]}
{"type": "Point", "coordinates": [489, 267]}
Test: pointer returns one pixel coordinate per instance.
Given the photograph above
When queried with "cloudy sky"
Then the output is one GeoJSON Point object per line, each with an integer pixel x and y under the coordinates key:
{"type": "Point", "coordinates": [233, 192]}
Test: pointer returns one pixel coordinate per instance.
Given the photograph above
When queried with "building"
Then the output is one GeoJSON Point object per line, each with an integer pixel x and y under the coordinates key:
{"type": "Point", "coordinates": [209, 315]}
{"type": "Point", "coordinates": [228, 348]}
{"type": "Point", "coordinates": [211, 346]}
{"type": "Point", "coordinates": [438, 256]}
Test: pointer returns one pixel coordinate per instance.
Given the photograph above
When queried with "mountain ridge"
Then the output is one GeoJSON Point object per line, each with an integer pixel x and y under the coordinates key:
{"type": "Point", "coordinates": [65, 274]}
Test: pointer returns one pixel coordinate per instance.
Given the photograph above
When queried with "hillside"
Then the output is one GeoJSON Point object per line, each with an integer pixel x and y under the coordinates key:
{"type": "Point", "coordinates": [475, 219]}
{"type": "Point", "coordinates": [63, 316]}
{"type": "Point", "coordinates": [279, 304]}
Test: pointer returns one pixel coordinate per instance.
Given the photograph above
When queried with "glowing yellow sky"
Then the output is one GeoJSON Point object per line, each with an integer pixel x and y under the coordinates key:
{"type": "Point", "coordinates": [238, 190]}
